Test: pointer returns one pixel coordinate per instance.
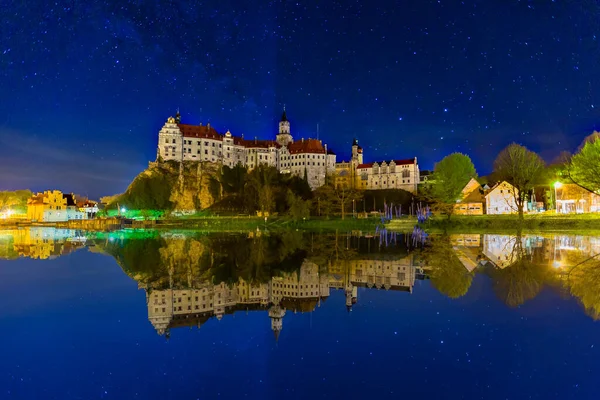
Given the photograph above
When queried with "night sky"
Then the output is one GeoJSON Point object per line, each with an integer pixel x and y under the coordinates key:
{"type": "Point", "coordinates": [86, 86]}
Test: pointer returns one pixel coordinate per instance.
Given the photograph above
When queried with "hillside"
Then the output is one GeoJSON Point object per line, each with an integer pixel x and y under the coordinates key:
{"type": "Point", "coordinates": [163, 186]}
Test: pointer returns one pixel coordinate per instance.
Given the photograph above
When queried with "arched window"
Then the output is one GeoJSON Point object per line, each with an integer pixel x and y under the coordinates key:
{"type": "Point", "coordinates": [406, 173]}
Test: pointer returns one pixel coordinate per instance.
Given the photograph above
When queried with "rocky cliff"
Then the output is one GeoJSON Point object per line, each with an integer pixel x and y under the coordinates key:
{"type": "Point", "coordinates": [168, 185]}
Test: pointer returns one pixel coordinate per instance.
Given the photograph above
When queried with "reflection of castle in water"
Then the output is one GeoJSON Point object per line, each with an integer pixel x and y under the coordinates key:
{"type": "Point", "coordinates": [300, 291]}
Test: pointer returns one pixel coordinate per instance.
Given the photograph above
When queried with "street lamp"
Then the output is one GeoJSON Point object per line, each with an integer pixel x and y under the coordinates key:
{"type": "Point", "coordinates": [557, 185]}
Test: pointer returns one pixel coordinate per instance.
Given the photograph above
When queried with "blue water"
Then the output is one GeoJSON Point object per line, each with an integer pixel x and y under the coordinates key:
{"type": "Point", "coordinates": [76, 327]}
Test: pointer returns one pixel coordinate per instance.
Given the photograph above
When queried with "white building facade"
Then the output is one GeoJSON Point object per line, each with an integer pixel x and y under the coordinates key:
{"type": "Point", "coordinates": [310, 158]}
{"type": "Point", "coordinates": [394, 174]}
{"type": "Point", "coordinates": [501, 199]}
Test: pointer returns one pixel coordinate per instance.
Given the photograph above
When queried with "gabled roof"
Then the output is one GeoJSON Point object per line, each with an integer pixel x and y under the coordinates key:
{"type": "Point", "coordinates": [312, 146]}
{"type": "Point", "coordinates": [497, 185]}
{"type": "Point", "coordinates": [396, 162]}
{"type": "Point", "coordinates": [199, 131]}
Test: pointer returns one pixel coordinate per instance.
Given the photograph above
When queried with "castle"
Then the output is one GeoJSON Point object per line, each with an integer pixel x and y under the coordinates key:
{"type": "Point", "coordinates": [308, 158]}
{"type": "Point", "coordinates": [394, 174]}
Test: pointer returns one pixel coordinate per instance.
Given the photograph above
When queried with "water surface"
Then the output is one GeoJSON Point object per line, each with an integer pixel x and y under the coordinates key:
{"type": "Point", "coordinates": [298, 315]}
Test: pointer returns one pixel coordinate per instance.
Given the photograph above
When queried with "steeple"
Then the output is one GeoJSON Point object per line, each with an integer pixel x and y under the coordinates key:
{"type": "Point", "coordinates": [284, 136]}
{"type": "Point", "coordinates": [178, 116]}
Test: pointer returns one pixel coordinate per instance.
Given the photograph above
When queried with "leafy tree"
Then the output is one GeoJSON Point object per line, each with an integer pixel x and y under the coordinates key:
{"type": "Point", "coordinates": [262, 185]}
{"type": "Point", "coordinates": [151, 192]}
{"type": "Point", "coordinates": [17, 199]}
{"type": "Point", "coordinates": [298, 208]}
{"type": "Point", "coordinates": [450, 176]}
{"type": "Point", "coordinates": [584, 168]}
{"type": "Point", "coordinates": [521, 168]}
{"type": "Point", "coordinates": [233, 179]}
{"type": "Point", "coordinates": [330, 199]}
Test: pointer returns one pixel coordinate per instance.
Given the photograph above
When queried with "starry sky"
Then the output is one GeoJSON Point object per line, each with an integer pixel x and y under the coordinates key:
{"type": "Point", "coordinates": [86, 86]}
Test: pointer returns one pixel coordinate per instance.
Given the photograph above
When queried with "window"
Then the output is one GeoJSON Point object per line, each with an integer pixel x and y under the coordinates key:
{"type": "Point", "coordinates": [205, 151]}
{"type": "Point", "coordinates": [406, 173]}
{"type": "Point", "coordinates": [166, 140]}
{"type": "Point", "coordinates": [174, 141]}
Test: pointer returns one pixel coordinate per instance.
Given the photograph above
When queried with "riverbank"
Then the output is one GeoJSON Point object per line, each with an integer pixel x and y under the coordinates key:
{"type": "Point", "coordinates": [213, 224]}
{"type": "Point", "coordinates": [503, 223]}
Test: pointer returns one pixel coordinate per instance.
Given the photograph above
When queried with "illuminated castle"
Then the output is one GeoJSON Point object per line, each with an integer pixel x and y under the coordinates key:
{"type": "Point", "coordinates": [305, 157]}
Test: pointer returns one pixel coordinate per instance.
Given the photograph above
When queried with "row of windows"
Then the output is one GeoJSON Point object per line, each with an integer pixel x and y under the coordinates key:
{"type": "Point", "coordinates": [191, 142]}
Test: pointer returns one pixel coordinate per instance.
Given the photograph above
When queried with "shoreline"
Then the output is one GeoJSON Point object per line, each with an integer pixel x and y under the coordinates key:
{"type": "Point", "coordinates": [456, 224]}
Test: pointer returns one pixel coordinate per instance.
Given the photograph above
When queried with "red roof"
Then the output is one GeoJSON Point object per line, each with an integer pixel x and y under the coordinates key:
{"type": "Point", "coordinates": [199, 131]}
{"type": "Point", "coordinates": [306, 146]}
{"type": "Point", "coordinates": [397, 162]}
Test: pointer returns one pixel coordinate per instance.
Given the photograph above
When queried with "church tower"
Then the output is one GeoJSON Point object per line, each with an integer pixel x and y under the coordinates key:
{"type": "Point", "coordinates": [284, 136]}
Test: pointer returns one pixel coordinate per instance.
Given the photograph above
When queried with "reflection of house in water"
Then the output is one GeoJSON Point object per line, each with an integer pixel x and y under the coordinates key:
{"type": "Point", "coordinates": [297, 291]}
{"type": "Point", "coordinates": [499, 249]}
{"type": "Point", "coordinates": [43, 243]}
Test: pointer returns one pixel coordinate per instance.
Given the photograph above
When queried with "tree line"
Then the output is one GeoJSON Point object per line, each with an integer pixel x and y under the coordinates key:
{"type": "Point", "coordinates": [519, 166]}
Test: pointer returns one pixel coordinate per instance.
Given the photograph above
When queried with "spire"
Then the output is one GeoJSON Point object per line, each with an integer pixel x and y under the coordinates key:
{"type": "Point", "coordinates": [284, 115]}
{"type": "Point", "coordinates": [178, 116]}
{"type": "Point", "coordinates": [276, 332]}
{"type": "Point", "coordinates": [355, 142]}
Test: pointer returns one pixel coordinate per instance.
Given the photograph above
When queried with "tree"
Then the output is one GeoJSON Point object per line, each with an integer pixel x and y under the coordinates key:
{"type": "Point", "coordinates": [330, 199]}
{"type": "Point", "coordinates": [584, 168]}
{"type": "Point", "coordinates": [450, 176]}
{"type": "Point", "coordinates": [17, 199]}
{"type": "Point", "coordinates": [262, 184]}
{"type": "Point", "coordinates": [521, 168]}
{"type": "Point", "coordinates": [298, 208]}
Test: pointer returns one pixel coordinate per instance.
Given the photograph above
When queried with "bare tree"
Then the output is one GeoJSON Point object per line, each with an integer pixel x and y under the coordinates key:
{"type": "Point", "coordinates": [521, 168]}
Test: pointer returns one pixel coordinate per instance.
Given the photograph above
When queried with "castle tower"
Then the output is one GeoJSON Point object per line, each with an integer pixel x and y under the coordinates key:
{"type": "Point", "coordinates": [178, 117]}
{"type": "Point", "coordinates": [276, 313]}
{"type": "Point", "coordinates": [284, 136]}
{"type": "Point", "coordinates": [357, 153]}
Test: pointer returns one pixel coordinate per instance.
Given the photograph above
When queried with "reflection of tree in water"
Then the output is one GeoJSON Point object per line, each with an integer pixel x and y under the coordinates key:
{"type": "Point", "coordinates": [181, 261]}
{"type": "Point", "coordinates": [448, 275]}
{"type": "Point", "coordinates": [520, 281]}
{"type": "Point", "coordinates": [583, 281]}
{"type": "Point", "coordinates": [255, 259]}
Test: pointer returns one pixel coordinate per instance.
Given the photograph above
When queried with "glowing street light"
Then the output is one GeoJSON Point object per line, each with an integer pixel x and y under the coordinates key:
{"type": "Point", "coordinates": [123, 209]}
{"type": "Point", "coordinates": [557, 185]}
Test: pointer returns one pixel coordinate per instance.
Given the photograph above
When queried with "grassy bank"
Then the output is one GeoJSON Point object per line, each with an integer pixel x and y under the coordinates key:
{"type": "Point", "coordinates": [502, 223]}
{"type": "Point", "coordinates": [223, 223]}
